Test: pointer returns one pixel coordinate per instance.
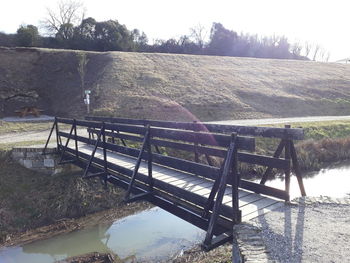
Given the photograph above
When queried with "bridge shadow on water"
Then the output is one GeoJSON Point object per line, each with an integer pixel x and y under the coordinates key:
{"type": "Point", "coordinates": [288, 242]}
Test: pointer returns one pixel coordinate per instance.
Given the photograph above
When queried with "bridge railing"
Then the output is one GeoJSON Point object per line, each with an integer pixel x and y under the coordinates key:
{"type": "Point", "coordinates": [283, 159]}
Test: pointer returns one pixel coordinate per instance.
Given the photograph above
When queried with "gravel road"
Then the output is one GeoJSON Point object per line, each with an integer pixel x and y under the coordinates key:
{"type": "Point", "coordinates": [283, 120]}
{"type": "Point", "coordinates": [311, 233]}
{"type": "Point", "coordinates": [32, 136]}
{"type": "Point", "coordinates": [42, 135]}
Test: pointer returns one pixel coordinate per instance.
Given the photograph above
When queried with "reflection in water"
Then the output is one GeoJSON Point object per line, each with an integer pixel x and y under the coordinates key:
{"type": "Point", "coordinates": [152, 234]}
{"type": "Point", "coordinates": [334, 182]}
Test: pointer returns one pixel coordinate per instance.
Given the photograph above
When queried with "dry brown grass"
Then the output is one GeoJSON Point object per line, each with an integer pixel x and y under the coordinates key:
{"type": "Point", "coordinates": [30, 199]}
{"type": "Point", "coordinates": [225, 87]}
{"type": "Point", "coordinates": [178, 87]}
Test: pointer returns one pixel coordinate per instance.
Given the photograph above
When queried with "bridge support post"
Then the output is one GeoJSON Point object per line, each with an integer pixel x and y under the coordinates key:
{"type": "Point", "coordinates": [149, 160]}
{"type": "Point", "coordinates": [105, 165]}
{"type": "Point", "coordinates": [54, 126]}
{"type": "Point", "coordinates": [297, 169]}
{"type": "Point", "coordinates": [287, 170]}
{"type": "Point", "coordinates": [291, 156]}
{"type": "Point", "coordinates": [76, 141]}
{"type": "Point", "coordinates": [66, 145]}
{"type": "Point", "coordinates": [230, 161]}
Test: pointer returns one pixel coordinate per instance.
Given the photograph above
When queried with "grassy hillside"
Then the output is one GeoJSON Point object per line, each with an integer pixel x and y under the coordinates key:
{"type": "Point", "coordinates": [168, 86]}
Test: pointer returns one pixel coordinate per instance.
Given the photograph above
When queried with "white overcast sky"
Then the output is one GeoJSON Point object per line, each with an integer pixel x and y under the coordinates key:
{"type": "Point", "coordinates": [325, 22]}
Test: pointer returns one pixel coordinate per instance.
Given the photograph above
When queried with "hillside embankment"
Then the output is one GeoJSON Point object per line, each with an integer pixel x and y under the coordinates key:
{"type": "Point", "coordinates": [171, 86]}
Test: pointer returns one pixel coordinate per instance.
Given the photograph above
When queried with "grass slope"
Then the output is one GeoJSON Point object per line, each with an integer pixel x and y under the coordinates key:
{"type": "Point", "coordinates": [171, 86]}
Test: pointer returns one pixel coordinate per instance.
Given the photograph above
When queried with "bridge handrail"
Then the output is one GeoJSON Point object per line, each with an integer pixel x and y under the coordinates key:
{"type": "Point", "coordinates": [269, 132]}
{"type": "Point", "coordinates": [200, 142]}
{"type": "Point", "coordinates": [206, 138]}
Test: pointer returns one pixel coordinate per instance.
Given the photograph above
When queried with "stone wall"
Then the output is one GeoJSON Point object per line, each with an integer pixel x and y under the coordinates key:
{"type": "Point", "coordinates": [32, 158]}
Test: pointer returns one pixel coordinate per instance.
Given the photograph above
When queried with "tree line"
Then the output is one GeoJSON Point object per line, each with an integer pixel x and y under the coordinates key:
{"type": "Point", "coordinates": [70, 30]}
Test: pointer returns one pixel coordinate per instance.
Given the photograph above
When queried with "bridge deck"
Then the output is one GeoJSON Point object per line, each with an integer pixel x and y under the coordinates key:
{"type": "Point", "coordinates": [251, 204]}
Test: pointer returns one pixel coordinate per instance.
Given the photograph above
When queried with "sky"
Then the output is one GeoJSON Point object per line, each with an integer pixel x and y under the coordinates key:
{"type": "Point", "coordinates": [323, 22]}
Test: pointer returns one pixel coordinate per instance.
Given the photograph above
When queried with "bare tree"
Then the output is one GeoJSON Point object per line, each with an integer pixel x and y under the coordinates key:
{"type": "Point", "coordinates": [68, 13]}
{"type": "Point", "coordinates": [328, 55]}
{"type": "Point", "coordinates": [82, 64]}
{"type": "Point", "coordinates": [296, 49]}
{"type": "Point", "coordinates": [315, 52]}
{"type": "Point", "coordinates": [322, 54]}
{"type": "Point", "coordinates": [307, 49]}
{"type": "Point", "coordinates": [199, 34]}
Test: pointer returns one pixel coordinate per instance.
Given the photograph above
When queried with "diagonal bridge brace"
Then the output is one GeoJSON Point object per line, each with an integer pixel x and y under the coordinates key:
{"type": "Point", "coordinates": [219, 190]}
{"type": "Point", "coordinates": [145, 145]}
{"type": "Point", "coordinates": [87, 168]}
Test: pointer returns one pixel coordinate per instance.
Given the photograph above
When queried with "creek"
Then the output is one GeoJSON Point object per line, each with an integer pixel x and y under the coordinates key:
{"type": "Point", "coordinates": [155, 234]}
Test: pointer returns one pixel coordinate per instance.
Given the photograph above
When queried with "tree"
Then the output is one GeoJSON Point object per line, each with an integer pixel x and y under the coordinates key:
{"type": "Point", "coordinates": [65, 33]}
{"type": "Point", "coordinates": [84, 35]}
{"type": "Point", "coordinates": [222, 40]}
{"type": "Point", "coordinates": [7, 40]}
{"type": "Point", "coordinates": [82, 64]}
{"type": "Point", "coordinates": [296, 49]}
{"type": "Point", "coordinates": [27, 36]}
{"type": "Point", "coordinates": [199, 34]}
{"type": "Point", "coordinates": [140, 40]}
{"type": "Point", "coordinates": [307, 49]}
{"type": "Point", "coordinates": [69, 13]}
{"type": "Point", "coordinates": [316, 50]}
{"type": "Point", "coordinates": [110, 35]}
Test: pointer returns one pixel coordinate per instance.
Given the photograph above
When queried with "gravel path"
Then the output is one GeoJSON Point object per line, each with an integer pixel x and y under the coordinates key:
{"type": "Point", "coordinates": [42, 135]}
{"type": "Point", "coordinates": [32, 136]}
{"type": "Point", "coordinates": [29, 118]}
{"type": "Point", "coordinates": [307, 233]}
{"type": "Point", "coordinates": [282, 120]}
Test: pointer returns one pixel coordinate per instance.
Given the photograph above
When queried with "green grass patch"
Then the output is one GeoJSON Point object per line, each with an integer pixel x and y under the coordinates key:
{"type": "Point", "coordinates": [322, 129]}
{"type": "Point", "coordinates": [325, 143]}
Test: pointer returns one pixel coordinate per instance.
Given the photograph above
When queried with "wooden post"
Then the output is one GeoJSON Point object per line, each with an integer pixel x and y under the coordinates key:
{"type": "Point", "coordinates": [113, 141]}
{"type": "Point", "coordinates": [222, 187]}
{"type": "Point", "coordinates": [48, 139]}
{"type": "Point", "coordinates": [105, 167]}
{"type": "Point", "coordinates": [287, 170]}
{"type": "Point", "coordinates": [235, 183]}
{"type": "Point", "coordinates": [195, 144]}
{"type": "Point", "coordinates": [297, 169]}
{"type": "Point", "coordinates": [57, 136]}
{"type": "Point", "coordinates": [75, 139]}
{"type": "Point", "coordinates": [149, 160]}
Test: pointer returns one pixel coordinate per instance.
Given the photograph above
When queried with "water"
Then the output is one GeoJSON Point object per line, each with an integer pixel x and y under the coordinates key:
{"type": "Point", "coordinates": [155, 234]}
{"type": "Point", "coordinates": [150, 235]}
{"type": "Point", "coordinates": [334, 182]}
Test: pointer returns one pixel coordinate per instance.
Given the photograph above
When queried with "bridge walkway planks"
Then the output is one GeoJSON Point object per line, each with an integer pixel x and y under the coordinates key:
{"type": "Point", "coordinates": [251, 204]}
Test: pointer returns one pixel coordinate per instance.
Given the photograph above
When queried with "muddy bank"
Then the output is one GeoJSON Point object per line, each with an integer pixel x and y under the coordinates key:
{"type": "Point", "coordinates": [90, 258]}
{"type": "Point", "coordinates": [36, 206]}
